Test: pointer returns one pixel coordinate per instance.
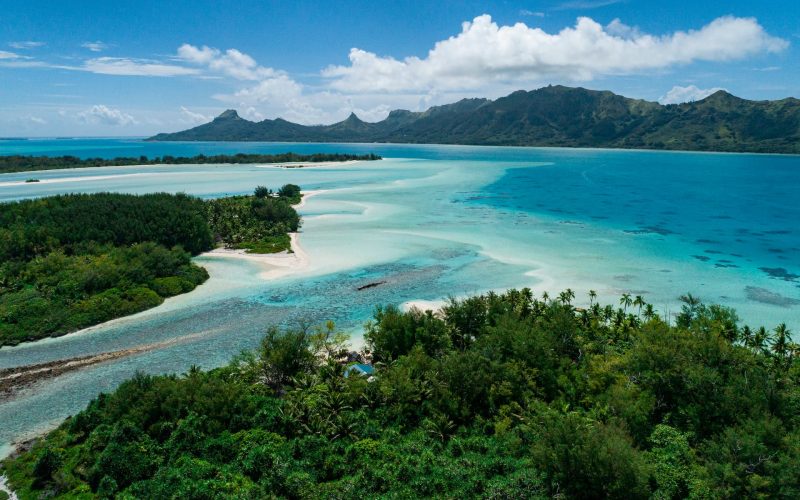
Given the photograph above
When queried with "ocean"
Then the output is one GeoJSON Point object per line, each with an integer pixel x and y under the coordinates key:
{"type": "Point", "coordinates": [431, 222]}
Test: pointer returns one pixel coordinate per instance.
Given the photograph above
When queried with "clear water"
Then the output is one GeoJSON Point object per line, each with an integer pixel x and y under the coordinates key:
{"type": "Point", "coordinates": [435, 221]}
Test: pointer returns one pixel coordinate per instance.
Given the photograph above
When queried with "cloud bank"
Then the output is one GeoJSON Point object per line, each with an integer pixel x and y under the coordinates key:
{"type": "Point", "coordinates": [483, 59]}
{"type": "Point", "coordinates": [485, 53]}
{"type": "Point", "coordinates": [100, 113]}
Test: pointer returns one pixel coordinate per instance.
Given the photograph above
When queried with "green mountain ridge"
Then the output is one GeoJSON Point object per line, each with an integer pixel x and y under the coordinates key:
{"type": "Point", "coordinates": [549, 116]}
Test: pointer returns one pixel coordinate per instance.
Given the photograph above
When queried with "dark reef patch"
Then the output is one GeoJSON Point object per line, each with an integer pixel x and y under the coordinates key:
{"type": "Point", "coordinates": [780, 273]}
{"type": "Point", "coordinates": [765, 296]}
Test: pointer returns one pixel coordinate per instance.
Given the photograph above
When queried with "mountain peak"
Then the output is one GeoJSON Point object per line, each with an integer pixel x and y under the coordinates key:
{"type": "Point", "coordinates": [353, 118]}
{"type": "Point", "coordinates": [228, 114]}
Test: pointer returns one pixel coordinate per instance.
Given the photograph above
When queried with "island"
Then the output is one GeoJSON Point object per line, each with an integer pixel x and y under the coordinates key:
{"type": "Point", "coordinates": [72, 261]}
{"type": "Point", "coordinates": [21, 163]}
{"type": "Point", "coordinates": [555, 116]}
{"type": "Point", "coordinates": [493, 396]}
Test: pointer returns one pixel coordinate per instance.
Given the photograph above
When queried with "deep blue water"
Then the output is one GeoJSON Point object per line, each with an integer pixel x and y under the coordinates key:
{"type": "Point", "coordinates": [738, 210]}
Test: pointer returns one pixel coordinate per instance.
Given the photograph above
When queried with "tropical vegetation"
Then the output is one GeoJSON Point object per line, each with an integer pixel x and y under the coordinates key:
{"type": "Point", "coordinates": [73, 261]}
{"type": "Point", "coordinates": [549, 116]}
{"type": "Point", "coordinates": [495, 396]}
{"type": "Point", "coordinates": [20, 163]}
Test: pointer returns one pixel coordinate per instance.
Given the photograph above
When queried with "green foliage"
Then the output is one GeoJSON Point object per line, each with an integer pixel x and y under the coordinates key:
{"type": "Point", "coordinates": [290, 192]}
{"type": "Point", "coordinates": [258, 224]}
{"type": "Point", "coordinates": [550, 116]}
{"type": "Point", "coordinates": [497, 396]}
{"type": "Point", "coordinates": [17, 163]}
{"type": "Point", "coordinates": [73, 261]}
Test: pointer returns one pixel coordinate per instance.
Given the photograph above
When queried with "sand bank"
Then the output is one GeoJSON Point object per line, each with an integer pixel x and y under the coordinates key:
{"type": "Point", "coordinates": [273, 265]}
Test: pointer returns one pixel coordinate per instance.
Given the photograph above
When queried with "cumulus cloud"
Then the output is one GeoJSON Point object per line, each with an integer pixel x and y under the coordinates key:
{"type": "Point", "coordinates": [97, 46]}
{"type": "Point", "coordinates": [26, 45]}
{"type": "Point", "coordinates": [690, 93]}
{"type": "Point", "coordinates": [231, 62]}
{"type": "Point", "coordinates": [100, 113]}
{"type": "Point", "coordinates": [188, 116]}
{"type": "Point", "coordinates": [484, 53]}
{"type": "Point", "coordinates": [134, 67]}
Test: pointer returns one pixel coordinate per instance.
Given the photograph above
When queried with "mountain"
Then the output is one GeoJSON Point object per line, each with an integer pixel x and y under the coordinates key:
{"type": "Point", "coordinates": [549, 116]}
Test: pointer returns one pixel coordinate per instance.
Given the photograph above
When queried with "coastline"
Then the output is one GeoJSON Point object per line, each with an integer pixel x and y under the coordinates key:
{"type": "Point", "coordinates": [4, 487]}
{"type": "Point", "coordinates": [274, 265]}
{"type": "Point", "coordinates": [57, 180]}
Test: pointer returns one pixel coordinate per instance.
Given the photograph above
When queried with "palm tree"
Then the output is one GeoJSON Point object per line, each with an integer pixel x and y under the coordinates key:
{"type": "Point", "coordinates": [592, 297]}
{"type": "Point", "coordinates": [747, 336]}
{"type": "Point", "coordinates": [649, 312]}
{"type": "Point", "coordinates": [639, 302]}
{"type": "Point", "coordinates": [625, 301]}
{"type": "Point", "coordinates": [760, 340]}
{"type": "Point", "coordinates": [781, 341]}
{"type": "Point", "coordinates": [608, 312]}
{"type": "Point", "coordinates": [545, 297]}
{"type": "Point", "coordinates": [566, 296]}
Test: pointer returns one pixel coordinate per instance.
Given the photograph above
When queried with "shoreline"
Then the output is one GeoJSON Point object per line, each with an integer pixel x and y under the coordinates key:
{"type": "Point", "coordinates": [32, 173]}
{"type": "Point", "coordinates": [6, 488]}
{"type": "Point", "coordinates": [274, 265]}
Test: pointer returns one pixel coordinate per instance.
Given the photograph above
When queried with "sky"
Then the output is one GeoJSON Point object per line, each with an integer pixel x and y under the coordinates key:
{"type": "Point", "coordinates": [135, 68]}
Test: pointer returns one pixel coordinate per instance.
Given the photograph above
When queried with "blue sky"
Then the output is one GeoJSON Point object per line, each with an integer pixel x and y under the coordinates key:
{"type": "Point", "coordinates": [136, 68]}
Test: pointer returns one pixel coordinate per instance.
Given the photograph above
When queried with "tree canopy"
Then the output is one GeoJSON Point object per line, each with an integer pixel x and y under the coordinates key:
{"type": "Point", "coordinates": [496, 396]}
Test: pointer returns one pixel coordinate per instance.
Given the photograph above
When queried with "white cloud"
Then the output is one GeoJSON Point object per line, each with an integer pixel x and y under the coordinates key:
{"type": "Point", "coordinates": [8, 55]}
{"type": "Point", "coordinates": [690, 93]}
{"type": "Point", "coordinates": [619, 29]}
{"type": "Point", "coordinates": [232, 62]}
{"type": "Point", "coordinates": [188, 116]}
{"type": "Point", "coordinates": [531, 13]}
{"type": "Point", "coordinates": [134, 67]}
{"type": "Point", "coordinates": [97, 46]}
{"type": "Point", "coordinates": [485, 53]}
{"type": "Point", "coordinates": [37, 120]}
{"type": "Point", "coordinates": [102, 114]}
{"type": "Point", "coordinates": [253, 114]}
{"type": "Point", "coordinates": [26, 45]}
{"type": "Point", "coordinates": [586, 4]}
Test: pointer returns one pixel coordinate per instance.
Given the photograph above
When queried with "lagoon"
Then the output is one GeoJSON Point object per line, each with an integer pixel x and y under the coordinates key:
{"type": "Point", "coordinates": [432, 222]}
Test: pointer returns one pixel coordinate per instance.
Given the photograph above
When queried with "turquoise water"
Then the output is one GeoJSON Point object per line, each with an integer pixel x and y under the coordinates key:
{"type": "Point", "coordinates": [435, 221]}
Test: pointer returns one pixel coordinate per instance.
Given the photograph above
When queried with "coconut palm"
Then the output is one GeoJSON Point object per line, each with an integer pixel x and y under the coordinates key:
{"type": "Point", "coordinates": [649, 312]}
{"type": "Point", "coordinates": [781, 341]}
{"type": "Point", "coordinates": [625, 301]}
{"type": "Point", "coordinates": [592, 297]}
{"type": "Point", "coordinates": [747, 336]}
{"type": "Point", "coordinates": [566, 296]}
{"type": "Point", "coordinates": [608, 313]}
{"type": "Point", "coordinates": [639, 302]}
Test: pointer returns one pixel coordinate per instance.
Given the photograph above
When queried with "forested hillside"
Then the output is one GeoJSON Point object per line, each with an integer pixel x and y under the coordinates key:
{"type": "Point", "coordinates": [549, 116]}
{"type": "Point", "coordinates": [68, 262]}
{"type": "Point", "coordinates": [497, 396]}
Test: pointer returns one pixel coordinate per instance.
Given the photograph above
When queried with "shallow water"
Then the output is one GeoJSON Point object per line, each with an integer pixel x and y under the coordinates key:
{"type": "Point", "coordinates": [435, 221]}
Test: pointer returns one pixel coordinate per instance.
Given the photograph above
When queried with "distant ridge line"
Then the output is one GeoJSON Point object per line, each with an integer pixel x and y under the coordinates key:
{"type": "Point", "coordinates": [555, 116]}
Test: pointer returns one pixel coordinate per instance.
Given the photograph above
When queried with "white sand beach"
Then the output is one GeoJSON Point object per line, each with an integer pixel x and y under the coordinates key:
{"type": "Point", "coordinates": [274, 265]}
